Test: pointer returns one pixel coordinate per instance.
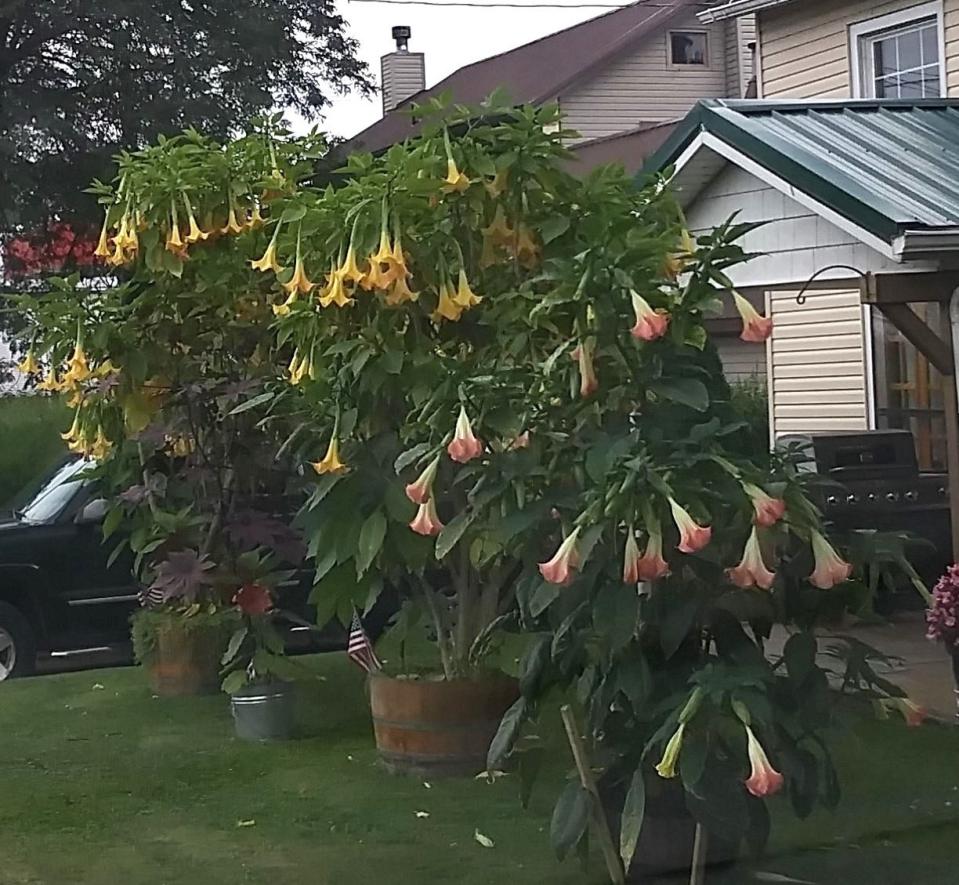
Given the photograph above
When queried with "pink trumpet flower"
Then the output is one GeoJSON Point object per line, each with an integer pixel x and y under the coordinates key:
{"type": "Point", "coordinates": [464, 446]}
{"type": "Point", "coordinates": [631, 559]}
{"type": "Point", "coordinates": [421, 491]}
{"type": "Point", "coordinates": [561, 568]}
{"type": "Point", "coordinates": [521, 441]}
{"type": "Point", "coordinates": [588, 383]}
{"type": "Point", "coordinates": [692, 536]}
{"type": "Point", "coordinates": [830, 568]}
{"type": "Point", "coordinates": [756, 328]}
{"type": "Point", "coordinates": [650, 324]}
{"type": "Point", "coordinates": [652, 566]}
{"type": "Point", "coordinates": [764, 780]}
{"type": "Point", "coordinates": [752, 571]}
{"type": "Point", "coordinates": [767, 509]}
{"type": "Point", "coordinates": [426, 521]}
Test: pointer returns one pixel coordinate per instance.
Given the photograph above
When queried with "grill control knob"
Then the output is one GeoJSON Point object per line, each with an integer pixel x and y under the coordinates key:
{"type": "Point", "coordinates": [892, 497]}
{"type": "Point", "coordinates": [832, 500]}
{"type": "Point", "coordinates": [872, 497]}
{"type": "Point", "coordinates": [852, 499]}
{"type": "Point", "coordinates": [941, 491]}
{"type": "Point", "coordinates": [912, 495]}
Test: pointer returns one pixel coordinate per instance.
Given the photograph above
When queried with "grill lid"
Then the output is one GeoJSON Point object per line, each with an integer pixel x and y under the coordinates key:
{"type": "Point", "coordinates": [858, 454]}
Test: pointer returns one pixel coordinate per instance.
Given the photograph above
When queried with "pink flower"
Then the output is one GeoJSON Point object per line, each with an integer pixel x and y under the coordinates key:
{"type": "Point", "coordinates": [421, 491]}
{"type": "Point", "coordinates": [588, 385]}
{"type": "Point", "coordinates": [464, 446]}
{"type": "Point", "coordinates": [253, 599]}
{"type": "Point", "coordinates": [560, 569]}
{"type": "Point", "coordinates": [768, 510]}
{"type": "Point", "coordinates": [631, 559]}
{"type": "Point", "coordinates": [652, 566]}
{"type": "Point", "coordinates": [830, 569]}
{"type": "Point", "coordinates": [520, 442]}
{"type": "Point", "coordinates": [426, 521]}
{"type": "Point", "coordinates": [692, 536]}
{"type": "Point", "coordinates": [752, 571]}
{"type": "Point", "coordinates": [650, 324]}
{"type": "Point", "coordinates": [756, 328]}
{"type": "Point", "coordinates": [764, 779]}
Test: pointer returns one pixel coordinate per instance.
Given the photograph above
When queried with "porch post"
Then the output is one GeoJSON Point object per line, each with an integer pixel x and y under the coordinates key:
{"type": "Point", "coordinates": [950, 405]}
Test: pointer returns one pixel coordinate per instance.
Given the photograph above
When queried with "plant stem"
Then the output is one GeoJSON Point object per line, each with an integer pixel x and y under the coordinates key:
{"type": "Point", "coordinates": [442, 639]}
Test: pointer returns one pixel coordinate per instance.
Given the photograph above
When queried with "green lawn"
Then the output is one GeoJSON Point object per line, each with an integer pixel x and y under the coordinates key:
{"type": "Point", "coordinates": [30, 428]}
{"type": "Point", "coordinates": [101, 784]}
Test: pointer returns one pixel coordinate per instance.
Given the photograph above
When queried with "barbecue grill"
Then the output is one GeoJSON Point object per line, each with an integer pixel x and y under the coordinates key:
{"type": "Point", "coordinates": [881, 487]}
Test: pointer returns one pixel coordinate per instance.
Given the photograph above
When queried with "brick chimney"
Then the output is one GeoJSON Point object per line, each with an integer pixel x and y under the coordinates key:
{"type": "Point", "coordinates": [403, 72]}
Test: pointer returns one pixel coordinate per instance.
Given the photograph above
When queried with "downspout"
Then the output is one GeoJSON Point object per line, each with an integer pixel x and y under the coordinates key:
{"type": "Point", "coordinates": [950, 404]}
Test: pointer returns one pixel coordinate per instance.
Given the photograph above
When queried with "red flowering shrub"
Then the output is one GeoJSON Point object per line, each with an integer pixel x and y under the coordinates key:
{"type": "Point", "coordinates": [942, 619]}
{"type": "Point", "coordinates": [57, 249]}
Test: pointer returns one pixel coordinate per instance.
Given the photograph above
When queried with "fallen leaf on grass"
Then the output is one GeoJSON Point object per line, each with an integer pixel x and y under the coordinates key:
{"type": "Point", "coordinates": [491, 776]}
{"type": "Point", "coordinates": [97, 686]}
{"type": "Point", "coordinates": [246, 823]}
{"type": "Point", "coordinates": [422, 814]}
{"type": "Point", "coordinates": [428, 785]}
{"type": "Point", "coordinates": [485, 841]}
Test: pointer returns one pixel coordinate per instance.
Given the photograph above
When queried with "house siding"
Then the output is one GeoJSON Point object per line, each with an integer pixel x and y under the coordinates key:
{"type": "Point", "coordinates": [740, 32]}
{"type": "Point", "coordinates": [817, 363]}
{"type": "Point", "coordinates": [804, 47]}
{"type": "Point", "coordinates": [742, 360]}
{"type": "Point", "coordinates": [641, 87]}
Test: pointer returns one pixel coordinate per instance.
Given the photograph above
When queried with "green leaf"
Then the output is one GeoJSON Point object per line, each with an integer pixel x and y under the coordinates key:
{"type": "Point", "coordinates": [634, 811]}
{"type": "Point", "coordinates": [506, 735]}
{"type": "Point", "coordinates": [234, 682]}
{"type": "Point", "coordinates": [410, 456]}
{"type": "Point", "coordinates": [236, 640]}
{"type": "Point", "coordinates": [614, 613]}
{"type": "Point", "coordinates": [371, 540]}
{"type": "Point", "coordinates": [258, 400]}
{"type": "Point", "coordinates": [391, 362]}
{"type": "Point", "coordinates": [697, 337]}
{"type": "Point", "coordinates": [692, 761]}
{"type": "Point", "coordinates": [543, 597]}
{"type": "Point", "coordinates": [635, 680]}
{"type": "Point", "coordinates": [528, 765]}
{"type": "Point", "coordinates": [570, 817]}
{"type": "Point", "coordinates": [111, 521]}
{"type": "Point", "coordinates": [451, 533]}
{"type": "Point", "coordinates": [686, 391]}
{"type": "Point", "coordinates": [292, 213]}
{"type": "Point", "coordinates": [533, 666]}
{"type": "Point", "coordinates": [553, 227]}
{"type": "Point", "coordinates": [800, 654]}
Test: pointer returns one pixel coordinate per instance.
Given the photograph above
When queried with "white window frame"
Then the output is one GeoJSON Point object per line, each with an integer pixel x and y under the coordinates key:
{"type": "Point", "coordinates": [860, 32]}
{"type": "Point", "coordinates": [688, 67]}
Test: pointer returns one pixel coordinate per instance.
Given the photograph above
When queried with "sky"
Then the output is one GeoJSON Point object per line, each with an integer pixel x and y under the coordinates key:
{"type": "Point", "coordinates": [450, 38]}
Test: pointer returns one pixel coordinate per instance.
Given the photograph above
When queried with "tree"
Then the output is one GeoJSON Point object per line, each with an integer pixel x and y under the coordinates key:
{"type": "Point", "coordinates": [81, 80]}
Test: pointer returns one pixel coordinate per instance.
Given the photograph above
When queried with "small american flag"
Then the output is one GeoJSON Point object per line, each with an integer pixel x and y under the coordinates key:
{"type": "Point", "coordinates": [359, 648]}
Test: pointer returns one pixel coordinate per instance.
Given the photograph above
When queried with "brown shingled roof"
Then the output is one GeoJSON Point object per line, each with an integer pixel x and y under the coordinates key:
{"type": "Point", "coordinates": [534, 73]}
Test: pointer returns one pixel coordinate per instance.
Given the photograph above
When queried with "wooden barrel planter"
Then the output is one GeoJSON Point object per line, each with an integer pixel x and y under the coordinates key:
{"type": "Point", "coordinates": [186, 662]}
{"type": "Point", "coordinates": [438, 727]}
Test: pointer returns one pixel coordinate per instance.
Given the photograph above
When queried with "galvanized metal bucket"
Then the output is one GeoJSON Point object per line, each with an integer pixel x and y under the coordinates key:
{"type": "Point", "coordinates": [264, 712]}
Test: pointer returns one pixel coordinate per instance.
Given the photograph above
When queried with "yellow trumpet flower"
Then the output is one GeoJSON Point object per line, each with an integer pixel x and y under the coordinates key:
{"type": "Point", "coordinates": [283, 309]}
{"type": "Point", "coordinates": [29, 365]}
{"type": "Point", "coordinates": [74, 432]}
{"type": "Point", "coordinates": [400, 293]}
{"type": "Point", "coordinates": [527, 252]}
{"type": "Point", "coordinates": [105, 369]}
{"type": "Point", "coordinates": [103, 244]}
{"type": "Point", "coordinates": [397, 258]}
{"type": "Point", "coordinates": [232, 225]}
{"type": "Point", "coordinates": [173, 242]}
{"type": "Point", "coordinates": [100, 447]}
{"type": "Point", "coordinates": [465, 297]}
{"type": "Point", "coordinates": [269, 260]}
{"type": "Point", "coordinates": [498, 231]}
{"type": "Point", "coordinates": [349, 270]}
{"type": "Point", "coordinates": [78, 369]}
{"type": "Point", "coordinates": [256, 219]}
{"type": "Point", "coordinates": [455, 180]}
{"type": "Point", "coordinates": [335, 292]}
{"type": "Point", "coordinates": [447, 308]}
{"type": "Point", "coordinates": [331, 462]}
{"type": "Point", "coordinates": [299, 282]}
{"type": "Point", "coordinates": [497, 185]}
{"type": "Point", "coordinates": [50, 383]}
{"type": "Point", "coordinates": [375, 278]}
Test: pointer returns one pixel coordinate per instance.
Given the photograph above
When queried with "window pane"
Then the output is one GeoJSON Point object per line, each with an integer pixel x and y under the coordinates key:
{"type": "Point", "coordinates": [887, 87]}
{"type": "Point", "coordinates": [687, 48]}
{"type": "Point", "coordinates": [930, 45]}
{"type": "Point", "coordinates": [931, 87]}
{"type": "Point", "coordinates": [884, 55]}
{"type": "Point", "coordinates": [910, 85]}
{"type": "Point", "coordinates": [909, 53]}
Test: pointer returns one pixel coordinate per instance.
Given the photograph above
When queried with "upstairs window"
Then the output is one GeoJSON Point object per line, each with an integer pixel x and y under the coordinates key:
{"type": "Point", "coordinates": [900, 55]}
{"type": "Point", "coordinates": [688, 49]}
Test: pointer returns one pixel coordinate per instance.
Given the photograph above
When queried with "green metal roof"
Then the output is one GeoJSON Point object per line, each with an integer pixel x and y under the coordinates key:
{"type": "Point", "coordinates": [889, 166]}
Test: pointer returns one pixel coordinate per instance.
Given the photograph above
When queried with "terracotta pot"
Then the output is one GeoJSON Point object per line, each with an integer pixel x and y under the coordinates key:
{"type": "Point", "coordinates": [186, 662]}
{"type": "Point", "coordinates": [438, 727]}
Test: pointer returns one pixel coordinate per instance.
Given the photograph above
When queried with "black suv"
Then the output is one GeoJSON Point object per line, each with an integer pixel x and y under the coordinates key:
{"type": "Point", "coordinates": [59, 597]}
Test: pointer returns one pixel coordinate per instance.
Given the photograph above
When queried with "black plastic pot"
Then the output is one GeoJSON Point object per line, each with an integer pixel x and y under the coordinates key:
{"type": "Point", "coordinates": [264, 712]}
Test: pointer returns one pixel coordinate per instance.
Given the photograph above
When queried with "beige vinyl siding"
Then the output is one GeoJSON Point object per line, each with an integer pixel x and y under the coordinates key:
{"type": "Point", "coordinates": [740, 32]}
{"type": "Point", "coordinates": [804, 47]}
{"type": "Point", "coordinates": [642, 87]}
{"type": "Point", "coordinates": [742, 360]}
{"type": "Point", "coordinates": [817, 363]}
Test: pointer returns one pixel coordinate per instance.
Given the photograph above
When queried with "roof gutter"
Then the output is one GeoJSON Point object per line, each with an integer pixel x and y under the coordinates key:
{"type": "Point", "coordinates": [735, 8]}
{"type": "Point", "coordinates": [911, 243]}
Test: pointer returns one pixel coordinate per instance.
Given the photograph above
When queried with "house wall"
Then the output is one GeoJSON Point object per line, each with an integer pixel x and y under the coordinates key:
{"type": "Point", "coordinates": [804, 47]}
{"type": "Point", "coordinates": [641, 87]}
{"type": "Point", "coordinates": [740, 32]}
{"type": "Point", "coordinates": [742, 360]}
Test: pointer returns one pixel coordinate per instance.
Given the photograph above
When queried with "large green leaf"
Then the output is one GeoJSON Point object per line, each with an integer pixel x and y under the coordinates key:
{"type": "Point", "coordinates": [533, 666]}
{"type": "Point", "coordinates": [570, 817]}
{"type": "Point", "coordinates": [371, 540]}
{"type": "Point", "coordinates": [800, 654]}
{"type": "Point", "coordinates": [686, 391]}
{"type": "Point", "coordinates": [614, 613]}
{"type": "Point", "coordinates": [453, 531]}
{"type": "Point", "coordinates": [506, 735]}
{"type": "Point", "coordinates": [634, 811]}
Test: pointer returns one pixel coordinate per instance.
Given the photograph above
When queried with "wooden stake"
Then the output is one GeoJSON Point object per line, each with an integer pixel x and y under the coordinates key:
{"type": "Point", "coordinates": [697, 870]}
{"type": "Point", "coordinates": [613, 862]}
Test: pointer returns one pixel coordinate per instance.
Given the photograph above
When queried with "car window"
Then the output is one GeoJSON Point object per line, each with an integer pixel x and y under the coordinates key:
{"type": "Point", "coordinates": [55, 492]}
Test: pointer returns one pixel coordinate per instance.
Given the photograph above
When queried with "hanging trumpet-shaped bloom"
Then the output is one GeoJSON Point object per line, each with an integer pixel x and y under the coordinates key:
{"type": "Point", "coordinates": [756, 328]}
{"type": "Point", "coordinates": [520, 441]}
{"type": "Point", "coordinates": [455, 180]}
{"type": "Point", "coordinates": [427, 521]}
{"type": "Point", "coordinates": [233, 226]}
{"type": "Point", "coordinates": [334, 292]}
{"type": "Point", "coordinates": [631, 558]}
{"type": "Point", "coordinates": [751, 571]}
{"type": "Point", "coordinates": [588, 383]}
{"type": "Point", "coordinates": [763, 780]}
{"type": "Point", "coordinates": [283, 308]}
{"type": "Point", "coordinates": [103, 243]}
{"type": "Point", "coordinates": [400, 292]}
{"type": "Point", "coordinates": [650, 324]}
{"type": "Point", "coordinates": [301, 366]}
{"type": "Point", "coordinates": [562, 567]}
{"type": "Point", "coordinates": [331, 462]}
{"type": "Point", "coordinates": [692, 536]}
{"type": "Point", "coordinates": [101, 446]}
{"type": "Point", "coordinates": [384, 269]}
{"type": "Point", "coordinates": [75, 430]}
{"type": "Point", "coordinates": [830, 568]}
{"type": "Point", "coordinates": [29, 365]}
{"type": "Point", "coordinates": [420, 491]}
{"type": "Point", "coordinates": [446, 308]}
{"type": "Point", "coordinates": [78, 369]}
{"type": "Point", "coordinates": [256, 219]}
{"type": "Point", "coordinates": [526, 251]}
{"type": "Point", "coordinates": [299, 282]}
{"type": "Point", "coordinates": [464, 447]}
{"type": "Point", "coordinates": [173, 242]}
{"type": "Point", "coordinates": [349, 271]}
{"type": "Point", "coordinates": [498, 183]}
{"type": "Point", "coordinates": [50, 383]}
{"type": "Point", "coordinates": [465, 297]}
{"type": "Point", "coordinates": [911, 711]}
{"type": "Point", "coordinates": [651, 565]}
{"type": "Point", "coordinates": [194, 234]}
{"type": "Point", "coordinates": [269, 260]}
{"type": "Point", "coordinates": [767, 510]}
{"type": "Point", "coordinates": [498, 232]}
{"type": "Point", "coordinates": [667, 765]}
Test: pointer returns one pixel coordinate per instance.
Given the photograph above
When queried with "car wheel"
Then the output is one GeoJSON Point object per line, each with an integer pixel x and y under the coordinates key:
{"type": "Point", "coordinates": [18, 648]}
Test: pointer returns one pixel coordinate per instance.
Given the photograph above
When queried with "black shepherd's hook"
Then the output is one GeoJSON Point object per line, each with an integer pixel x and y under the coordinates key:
{"type": "Point", "coordinates": [801, 294]}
